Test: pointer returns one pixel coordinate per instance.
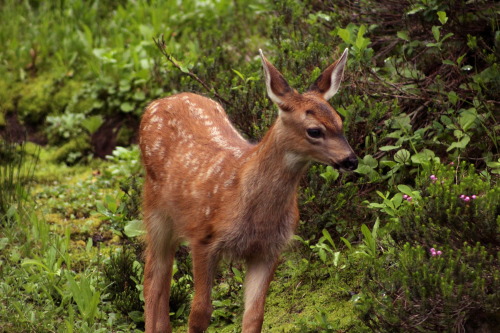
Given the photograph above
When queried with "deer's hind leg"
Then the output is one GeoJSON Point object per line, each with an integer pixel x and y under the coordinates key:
{"type": "Point", "coordinates": [160, 252]}
{"type": "Point", "coordinates": [204, 266]}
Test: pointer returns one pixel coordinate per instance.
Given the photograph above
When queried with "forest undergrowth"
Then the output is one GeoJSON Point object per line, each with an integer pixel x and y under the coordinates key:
{"type": "Point", "coordinates": [409, 242]}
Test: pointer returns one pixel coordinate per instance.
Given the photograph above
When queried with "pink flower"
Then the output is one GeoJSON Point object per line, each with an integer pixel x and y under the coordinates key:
{"type": "Point", "coordinates": [434, 252]}
{"type": "Point", "coordinates": [409, 198]}
{"type": "Point", "coordinates": [467, 199]}
{"type": "Point", "coordinates": [462, 196]}
{"type": "Point", "coordinates": [474, 197]}
{"type": "Point", "coordinates": [405, 196]}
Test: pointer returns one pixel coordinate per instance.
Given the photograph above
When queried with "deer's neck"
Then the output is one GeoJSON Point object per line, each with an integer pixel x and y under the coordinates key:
{"type": "Point", "coordinates": [271, 174]}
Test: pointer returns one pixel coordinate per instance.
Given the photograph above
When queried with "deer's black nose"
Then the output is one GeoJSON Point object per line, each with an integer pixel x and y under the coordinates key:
{"type": "Point", "coordinates": [350, 163]}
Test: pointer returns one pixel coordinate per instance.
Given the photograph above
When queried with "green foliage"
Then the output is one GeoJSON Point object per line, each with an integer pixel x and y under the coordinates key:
{"type": "Point", "coordinates": [420, 89]}
{"type": "Point", "coordinates": [123, 275]}
{"type": "Point", "coordinates": [73, 151]}
{"type": "Point", "coordinates": [16, 171]}
{"type": "Point", "coordinates": [443, 268]}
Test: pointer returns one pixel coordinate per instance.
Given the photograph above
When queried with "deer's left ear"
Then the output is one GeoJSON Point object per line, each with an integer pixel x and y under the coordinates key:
{"type": "Point", "coordinates": [328, 82]}
{"type": "Point", "coordinates": [276, 85]}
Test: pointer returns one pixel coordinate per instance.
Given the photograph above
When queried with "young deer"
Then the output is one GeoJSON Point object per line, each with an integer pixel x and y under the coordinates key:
{"type": "Point", "coordinates": [227, 197]}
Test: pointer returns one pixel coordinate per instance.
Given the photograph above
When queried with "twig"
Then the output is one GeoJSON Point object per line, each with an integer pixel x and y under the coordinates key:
{"type": "Point", "coordinates": [405, 93]}
{"type": "Point", "coordinates": [160, 43]}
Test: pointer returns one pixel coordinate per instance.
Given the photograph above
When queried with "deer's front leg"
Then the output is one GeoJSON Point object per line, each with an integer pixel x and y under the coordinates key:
{"type": "Point", "coordinates": [259, 275]}
{"type": "Point", "coordinates": [204, 264]}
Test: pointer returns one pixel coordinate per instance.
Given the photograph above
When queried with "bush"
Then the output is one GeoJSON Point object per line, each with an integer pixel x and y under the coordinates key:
{"type": "Point", "coordinates": [441, 271]}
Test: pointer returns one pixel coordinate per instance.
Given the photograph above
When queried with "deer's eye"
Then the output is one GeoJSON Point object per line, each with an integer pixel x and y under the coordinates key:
{"type": "Point", "coordinates": [314, 133]}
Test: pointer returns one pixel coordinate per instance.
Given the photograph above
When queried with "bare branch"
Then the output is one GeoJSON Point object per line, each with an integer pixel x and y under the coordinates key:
{"type": "Point", "coordinates": [160, 43]}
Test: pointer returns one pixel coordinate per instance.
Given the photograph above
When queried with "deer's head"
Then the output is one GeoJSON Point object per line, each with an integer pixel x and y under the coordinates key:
{"type": "Point", "coordinates": [310, 125]}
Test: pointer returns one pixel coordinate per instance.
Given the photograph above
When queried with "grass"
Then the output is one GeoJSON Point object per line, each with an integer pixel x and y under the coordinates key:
{"type": "Point", "coordinates": [51, 255]}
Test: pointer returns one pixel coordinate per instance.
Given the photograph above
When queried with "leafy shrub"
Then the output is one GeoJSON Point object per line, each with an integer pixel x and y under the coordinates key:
{"type": "Point", "coordinates": [73, 151]}
{"type": "Point", "coordinates": [456, 205]}
{"type": "Point", "coordinates": [443, 270]}
{"type": "Point", "coordinates": [123, 276]}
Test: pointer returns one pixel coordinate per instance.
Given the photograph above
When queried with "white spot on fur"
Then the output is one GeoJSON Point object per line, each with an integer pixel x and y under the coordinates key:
{"type": "Point", "coordinates": [292, 160]}
{"type": "Point", "coordinates": [157, 145]}
{"type": "Point", "coordinates": [230, 180]}
{"type": "Point", "coordinates": [207, 211]}
{"type": "Point", "coordinates": [215, 168]}
{"type": "Point", "coordinates": [156, 119]}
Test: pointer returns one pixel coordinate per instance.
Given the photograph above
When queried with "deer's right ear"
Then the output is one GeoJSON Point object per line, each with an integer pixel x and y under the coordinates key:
{"type": "Point", "coordinates": [276, 85]}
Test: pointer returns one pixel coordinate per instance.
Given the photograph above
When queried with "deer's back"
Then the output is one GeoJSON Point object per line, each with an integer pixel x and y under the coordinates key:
{"type": "Point", "coordinates": [190, 150]}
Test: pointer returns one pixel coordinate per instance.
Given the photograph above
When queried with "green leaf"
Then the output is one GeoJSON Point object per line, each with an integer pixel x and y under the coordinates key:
{"type": "Point", "coordinates": [453, 97]}
{"type": "Point", "coordinates": [405, 189]}
{"type": "Point", "coordinates": [436, 31]}
{"type": "Point", "coordinates": [423, 157]}
{"type": "Point", "coordinates": [402, 156]}
{"type": "Point", "coordinates": [397, 200]}
{"type": "Point", "coordinates": [239, 74]}
{"type": "Point", "coordinates": [346, 242]}
{"type": "Point", "coordinates": [448, 35]}
{"type": "Point", "coordinates": [134, 228]}
{"type": "Point", "coordinates": [448, 62]}
{"type": "Point", "coordinates": [370, 161]}
{"type": "Point", "coordinates": [467, 118]}
{"type": "Point", "coordinates": [126, 107]}
{"type": "Point", "coordinates": [328, 237]}
{"type": "Point", "coordinates": [442, 17]}
{"type": "Point", "coordinates": [336, 257]}
{"type": "Point", "coordinates": [389, 148]}
{"type": "Point", "coordinates": [345, 35]}
{"type": "Point", "coordinates": [136, 316]}
{"type": "Point", "coordinates": [330, 175]}
{"type": "Point", "coordinates": [92, 124]}
{"type": "Point", "coordinates": [139, 95]}
{"type": "Point", "coordinates": [460, 144]}
{"type": "Point", "coordinates": [403, 35]}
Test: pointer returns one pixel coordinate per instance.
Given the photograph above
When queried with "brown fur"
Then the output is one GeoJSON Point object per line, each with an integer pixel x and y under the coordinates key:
{"type": "Point", "coordinates": [226, 197]}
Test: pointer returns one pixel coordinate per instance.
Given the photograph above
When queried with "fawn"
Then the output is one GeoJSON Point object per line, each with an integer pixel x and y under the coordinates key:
{"type": "Point", "coordinates": [227, 197]}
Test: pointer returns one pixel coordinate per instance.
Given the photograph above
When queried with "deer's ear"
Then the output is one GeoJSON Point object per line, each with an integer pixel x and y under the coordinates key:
{"type": "Point", "coordinates": [276, 85]}
{"type": "Point", "coordinates": [328, 82]}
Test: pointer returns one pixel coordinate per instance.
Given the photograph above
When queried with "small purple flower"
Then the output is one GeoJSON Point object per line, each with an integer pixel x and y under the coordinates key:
{"type": "Point", "coordinates": [433, 178]}
{"type": "Point", "coordinates": [474, 197]}
{"type": "Point", "coordinates": [452, 163]}
{"type": "Point", "coordinates": [434, 252]}
{"type": "Point", "coordinates": [462, 196]}
{"type": "Point", "coordinates": [467, 199]}
{"type": "Point", "coordinates": [405, 196]}
{"type": "Point", "coordinates": [409, 198]}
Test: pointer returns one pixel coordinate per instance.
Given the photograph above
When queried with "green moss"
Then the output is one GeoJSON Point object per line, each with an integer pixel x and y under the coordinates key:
{"type": "Point", "coordinates": [36, 99]}
{"type": "Point", "coordinates": [73, 150]}
{"type": "Point", "coordinates": [66, 94]}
